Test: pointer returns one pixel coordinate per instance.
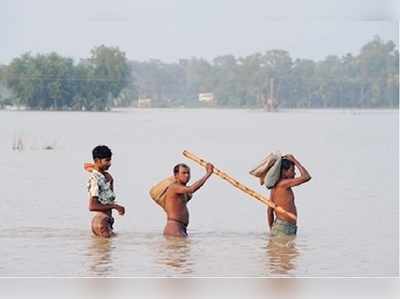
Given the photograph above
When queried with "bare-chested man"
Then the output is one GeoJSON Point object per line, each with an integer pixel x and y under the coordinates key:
{"type": "Point", "coordinates": [283, 196]}
{"type": "Point", "coordinates": [177, 196]}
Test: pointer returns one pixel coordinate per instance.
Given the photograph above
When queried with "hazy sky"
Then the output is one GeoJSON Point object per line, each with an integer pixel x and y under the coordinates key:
{"type": "Point", "coordinates": [173, 29]}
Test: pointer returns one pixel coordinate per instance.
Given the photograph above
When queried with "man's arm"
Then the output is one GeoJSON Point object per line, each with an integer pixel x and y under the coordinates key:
{"type": "Point", "coordinates": [96, 206]}
{"type": "Point", "coordinates": [179, 189]}
{"type": "Point", "coordinates": [270, 213]}
{"type": "Point", "coordinates": [303, 178]}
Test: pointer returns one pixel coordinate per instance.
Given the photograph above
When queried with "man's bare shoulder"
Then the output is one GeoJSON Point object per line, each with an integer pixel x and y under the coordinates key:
{"type": "Point", "coordinates": [173, 186]}
{"type": "Point", "coordinates": [282, 184]}
{"type": "Point", "coordinates": [172, 189]}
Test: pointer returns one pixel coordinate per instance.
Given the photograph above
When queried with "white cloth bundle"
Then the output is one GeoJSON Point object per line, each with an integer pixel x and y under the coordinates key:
{"type": "Point", "coordinates": [269, 170]}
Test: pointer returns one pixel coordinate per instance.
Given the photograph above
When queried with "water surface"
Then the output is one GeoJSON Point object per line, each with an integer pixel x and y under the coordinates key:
{"type": "Point", "coordinates": [348, 213]}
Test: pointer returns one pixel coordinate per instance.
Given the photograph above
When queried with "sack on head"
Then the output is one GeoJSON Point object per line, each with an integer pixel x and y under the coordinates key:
{"type": "Point", "coordinates": [261, 170]}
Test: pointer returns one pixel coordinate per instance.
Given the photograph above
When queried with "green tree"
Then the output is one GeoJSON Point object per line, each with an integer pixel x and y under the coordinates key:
{"type": "Point", "coordinates": [41, 82]}
{"type": "Point", "coordinates": [106, 73]}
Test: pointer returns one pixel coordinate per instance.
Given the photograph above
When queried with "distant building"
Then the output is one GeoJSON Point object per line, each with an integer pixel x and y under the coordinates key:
{"type": "Point", "coordinates": [144, 103]}
{"type": "Point", "coordinates": [207, 98]}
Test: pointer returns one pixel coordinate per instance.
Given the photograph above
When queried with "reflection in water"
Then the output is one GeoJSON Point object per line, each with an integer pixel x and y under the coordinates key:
{"type": "Point", "coordinates": [99, 253]}
{"type": "Point", "coordinates": [175, 254]}
{"type": "Point", "coordinates": [282, 253]}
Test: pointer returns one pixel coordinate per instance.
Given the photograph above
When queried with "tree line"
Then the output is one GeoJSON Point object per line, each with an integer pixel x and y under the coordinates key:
{"type": "Point", "coordinates": [108, 79]}
{"type": "Point", "coordinates": [53, 82]}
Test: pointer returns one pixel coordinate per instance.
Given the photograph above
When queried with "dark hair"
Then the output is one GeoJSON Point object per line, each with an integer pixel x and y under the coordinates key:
{"type": "Point", "coordinates": [177, 166]}
{"type": "Point", "coordinates": [286, 164]}
{"type": "Point", "coordinates": [101, 152]}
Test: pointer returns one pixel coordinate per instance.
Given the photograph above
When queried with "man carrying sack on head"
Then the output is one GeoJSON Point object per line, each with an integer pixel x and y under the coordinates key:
{"type": "Point", "coordinates": [278, 174]}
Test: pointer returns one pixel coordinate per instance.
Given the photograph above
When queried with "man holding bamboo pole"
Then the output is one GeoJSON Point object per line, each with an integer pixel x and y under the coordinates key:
{"type": "Point", "coordinates": [177, 196]}
{"type": "Point", "coordinates": [240, 186]}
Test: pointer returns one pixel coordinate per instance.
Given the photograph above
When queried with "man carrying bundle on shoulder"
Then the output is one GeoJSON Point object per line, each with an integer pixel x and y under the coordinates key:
{"type": "Point", "coordinates": [101, 192]}
{"type": "Point", "coordinates": [173, 194]}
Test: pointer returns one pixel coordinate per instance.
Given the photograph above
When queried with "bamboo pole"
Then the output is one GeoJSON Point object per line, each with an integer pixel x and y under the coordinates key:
{"type": "Point", "coordinates": [265, 200]}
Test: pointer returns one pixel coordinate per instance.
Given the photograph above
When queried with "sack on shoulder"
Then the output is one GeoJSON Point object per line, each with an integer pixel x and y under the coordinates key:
{"type": "Point", "coordinates": [159, 191]}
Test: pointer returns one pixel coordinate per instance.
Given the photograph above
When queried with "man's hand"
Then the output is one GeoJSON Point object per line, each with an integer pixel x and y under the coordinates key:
{"type": "Point", "coordinates": [304, 175]}
{"type": "Point", "coordinates": [290, 157]}
{"type": "Point", "coordinates": [209, 168]}
{"type": "Point", "coordinates": [120, 209]}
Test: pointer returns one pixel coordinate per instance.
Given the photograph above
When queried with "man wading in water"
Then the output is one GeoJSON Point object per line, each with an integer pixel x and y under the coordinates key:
{"type": "Point", "coordinates": [282, 195]}
{"type": "Point", "coordinates": [177, 196]}
{"type": "Point", "coordinates": [101, 192]}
